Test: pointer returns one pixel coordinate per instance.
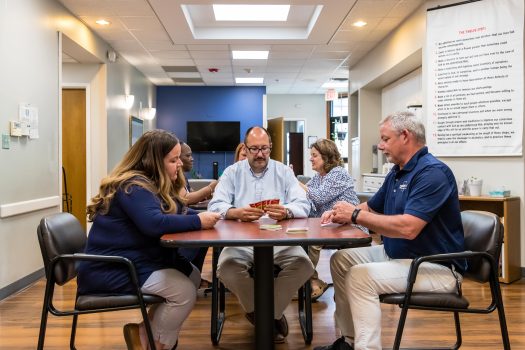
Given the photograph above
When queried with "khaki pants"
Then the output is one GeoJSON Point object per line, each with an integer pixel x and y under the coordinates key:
{"type": "Point", "coordinates": [360, 275]}
{"type": "Point", "coordinates": [235, 263]}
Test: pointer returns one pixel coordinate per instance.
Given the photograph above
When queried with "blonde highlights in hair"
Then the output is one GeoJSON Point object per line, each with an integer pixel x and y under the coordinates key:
{"type": "Point", "coordinates": [142, 165]}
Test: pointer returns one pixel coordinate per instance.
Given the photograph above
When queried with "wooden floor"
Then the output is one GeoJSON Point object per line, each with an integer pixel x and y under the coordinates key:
{"type": "Point", "coordinates": [20, 318]}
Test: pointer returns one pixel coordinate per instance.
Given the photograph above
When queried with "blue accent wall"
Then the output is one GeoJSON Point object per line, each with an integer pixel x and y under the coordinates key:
{"type": "Point", "coordinates": [177, 105]}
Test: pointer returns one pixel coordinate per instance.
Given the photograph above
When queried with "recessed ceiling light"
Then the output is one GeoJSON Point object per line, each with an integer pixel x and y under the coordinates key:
{"type": "Point", "coordinates": [251, 12]}
{"type": "Point", "coordinates": [103, 22]}
{"type": "Point", "coordinates": [359, 24]}
{"type": "Point", "coordinates": [250, 55]}
{"type": "Point", "coordinates": [249, 80]}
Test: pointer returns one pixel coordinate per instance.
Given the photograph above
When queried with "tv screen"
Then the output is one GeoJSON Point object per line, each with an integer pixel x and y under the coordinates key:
{"type": "Point", "coordinates": [213, 136]}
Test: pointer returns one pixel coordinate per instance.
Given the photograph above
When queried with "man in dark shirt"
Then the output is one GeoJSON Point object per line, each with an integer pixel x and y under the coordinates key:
{"type": "Point", "coordinates": [417, 213]}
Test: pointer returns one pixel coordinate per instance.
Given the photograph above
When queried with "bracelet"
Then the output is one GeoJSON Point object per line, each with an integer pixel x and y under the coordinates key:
{"type": "Point", "coordinates": [354, 215]}
{"type": "Point", "coordinates": [289, 214]}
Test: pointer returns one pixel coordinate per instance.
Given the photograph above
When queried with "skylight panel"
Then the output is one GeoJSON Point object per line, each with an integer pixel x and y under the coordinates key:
{"type": "Point", "coordinates": [251, 12]}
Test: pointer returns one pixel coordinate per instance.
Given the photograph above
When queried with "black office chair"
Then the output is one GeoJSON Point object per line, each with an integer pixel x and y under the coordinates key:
{"type": "Point", "coordinates": [62, 241]}
{"type": "Point", "coordinates": [483, 240]}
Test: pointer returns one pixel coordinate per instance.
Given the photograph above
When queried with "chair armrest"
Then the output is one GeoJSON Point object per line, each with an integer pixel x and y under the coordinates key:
{"type": "Point", "coordinates": [414, 266]}
{"type": "Point", "coordinates": [100, 258]}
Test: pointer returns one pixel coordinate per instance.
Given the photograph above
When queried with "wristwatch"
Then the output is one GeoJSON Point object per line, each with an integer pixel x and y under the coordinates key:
{"type": "Point", "coordinates": [289, 214]}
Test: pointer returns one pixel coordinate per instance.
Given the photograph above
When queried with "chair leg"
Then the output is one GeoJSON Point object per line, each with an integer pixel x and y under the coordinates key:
{"type": "Point", "coordinates": [48, 297]}
{"type": "Point", "coordinates": [400, 327]}
{"type": "Point", "coordinates": [73, 332]}
{"type": "Point", "coordinates": [217, 301]}
{"type": "Point", "coordinates": [304, 305]}
{"type": "Point", "coordinates": [43, 325]}
{"type": "Point", "coordinates": [147, 325]}
{"type": "Point", "coordinates": [459, 339]}
{"type": "Point", "coordinates": [496, 292]}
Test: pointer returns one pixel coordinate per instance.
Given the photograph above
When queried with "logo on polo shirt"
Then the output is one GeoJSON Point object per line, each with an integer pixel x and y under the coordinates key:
{"type": "Point", "coordinates": [403, 186]}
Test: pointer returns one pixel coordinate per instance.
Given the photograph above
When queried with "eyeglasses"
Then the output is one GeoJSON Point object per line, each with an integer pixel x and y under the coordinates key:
{"type": "Point", "coordinates": [254, 150]}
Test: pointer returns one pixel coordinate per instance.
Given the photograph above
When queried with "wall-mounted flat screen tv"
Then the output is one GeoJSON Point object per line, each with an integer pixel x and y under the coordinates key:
{"type": "Point", "coordinates": [213, 136]}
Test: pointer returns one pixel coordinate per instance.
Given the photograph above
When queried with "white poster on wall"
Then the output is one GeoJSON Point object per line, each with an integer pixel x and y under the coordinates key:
{"type": "Point", "coordinates": [474, 55]}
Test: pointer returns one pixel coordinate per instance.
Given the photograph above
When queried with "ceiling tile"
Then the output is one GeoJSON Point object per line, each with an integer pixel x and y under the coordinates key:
{"type": "Point", "coordinates": [210, 55]}
{"type": "Point", "coordinates": [172, 55]}
{"type": "Point", "coordinates": [208, 47]}
{"type": "Point", "coordinates": [289, 54]}
{"type": "Point", "coordinates": [122, 45]}
{"type": "Point", "coordinates": [330, 55]}
{"type": "Point", "coordinates": [177, 62]}
{"type": "Point", "coordinates": [212, 63]}
{"type": "Point", "coordinates": [286, 47]}
{"type": "Point", "coordinates": [148, 35]}
{"type": "Point", "coordinates": [132, 8]}
{"type": "Point", "coordinates": [178, 75]}
{"type": "Point", "coordinates": [161, 45]}
{"type": "Point", "coordinates": [140, 23]}
{"type": "Point", "coordinates": [405, 8]}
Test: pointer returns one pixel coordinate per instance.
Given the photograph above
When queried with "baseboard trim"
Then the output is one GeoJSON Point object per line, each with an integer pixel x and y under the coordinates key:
{"type": "Point", "coordinates": [21, 284]}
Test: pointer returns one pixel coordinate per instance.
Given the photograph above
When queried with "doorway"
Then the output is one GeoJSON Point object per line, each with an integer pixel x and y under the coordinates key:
{"type": "Point", "coordinates": [74, 152]}
{"type": "Point", "coordinates": [294, 145]}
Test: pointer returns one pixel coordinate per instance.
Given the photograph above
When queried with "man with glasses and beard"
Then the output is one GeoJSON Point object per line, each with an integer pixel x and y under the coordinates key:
{"type": "Point", "coordinates": [257, 179]}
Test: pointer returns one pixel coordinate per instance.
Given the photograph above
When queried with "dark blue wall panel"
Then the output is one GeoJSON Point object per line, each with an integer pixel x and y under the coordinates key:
{"type": "Point", "coordinates": [177, 105]}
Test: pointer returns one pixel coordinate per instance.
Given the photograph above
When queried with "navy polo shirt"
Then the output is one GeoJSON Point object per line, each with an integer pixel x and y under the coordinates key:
{"type": "Point", "coordinates": [425, 188]}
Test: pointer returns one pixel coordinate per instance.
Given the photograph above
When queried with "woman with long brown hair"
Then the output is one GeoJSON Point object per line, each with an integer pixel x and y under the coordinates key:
{"type": "Point", "coordinates": [136, 204]}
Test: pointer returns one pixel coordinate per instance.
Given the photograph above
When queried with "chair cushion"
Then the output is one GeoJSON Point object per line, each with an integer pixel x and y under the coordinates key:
{"type": "Point", "coordinates": [448, 300]}
{"type": "Point", "coordinates": [103, 301]}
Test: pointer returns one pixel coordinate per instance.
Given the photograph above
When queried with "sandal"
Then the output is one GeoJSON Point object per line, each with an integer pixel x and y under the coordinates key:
{"type": "Point", "coordinates": [318, 288]}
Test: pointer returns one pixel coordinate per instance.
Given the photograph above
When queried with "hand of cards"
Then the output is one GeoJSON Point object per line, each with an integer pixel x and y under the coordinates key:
{"type": "Point", "coordinates": [262, 204]}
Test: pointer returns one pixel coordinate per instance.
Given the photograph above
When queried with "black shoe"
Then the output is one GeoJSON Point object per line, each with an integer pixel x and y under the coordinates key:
{"type": "Point", "coordinates": [339, 344]}
{"type": "Point", "coordinates": [282, 326]}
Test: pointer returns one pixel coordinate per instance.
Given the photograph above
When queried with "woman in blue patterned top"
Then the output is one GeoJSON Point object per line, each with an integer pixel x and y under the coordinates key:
{"type": "Point", "coordinates": [136, 204]}
{"type": "Point", "coordinates": [331, 184]}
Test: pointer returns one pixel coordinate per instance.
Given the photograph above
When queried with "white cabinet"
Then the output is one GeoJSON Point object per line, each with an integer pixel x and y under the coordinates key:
{"type": "Point", "coordinates": [372, 182]}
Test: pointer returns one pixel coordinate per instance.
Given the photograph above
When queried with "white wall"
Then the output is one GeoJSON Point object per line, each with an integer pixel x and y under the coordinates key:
{"type": "Point", "coordinates": [401, 93]}
{"type": "Point", "coordinates": [310, 108]}
{"type": "Point", "coordinates": [125, 79]}
{"type": "Point", "coordinates": [30, 71]}
{"type": "Point", "coordinates": [398, 55]}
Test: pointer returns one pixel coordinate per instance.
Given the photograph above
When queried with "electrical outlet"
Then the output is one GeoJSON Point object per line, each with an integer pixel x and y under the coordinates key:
{"type": "Point", "coordinates": [5, 141]}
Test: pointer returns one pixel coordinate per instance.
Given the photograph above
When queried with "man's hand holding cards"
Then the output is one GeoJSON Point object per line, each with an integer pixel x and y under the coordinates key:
{"type": "Point", "coordinates": [262, 204]}
{"type": "Point", "coordinates": [271, 207]}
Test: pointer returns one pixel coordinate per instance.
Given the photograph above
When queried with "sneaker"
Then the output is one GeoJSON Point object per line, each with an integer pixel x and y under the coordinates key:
{"type": "Point", "coordinates": [339, 344]}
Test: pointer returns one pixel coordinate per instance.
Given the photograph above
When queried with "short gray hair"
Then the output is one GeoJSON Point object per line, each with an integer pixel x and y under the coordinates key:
{"type": "Point", "coordinates": [406, 120]}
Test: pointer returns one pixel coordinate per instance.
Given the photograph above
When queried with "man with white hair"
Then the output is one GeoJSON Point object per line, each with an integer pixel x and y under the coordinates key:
{"type": "Point", "coordinates": [417, 213]}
